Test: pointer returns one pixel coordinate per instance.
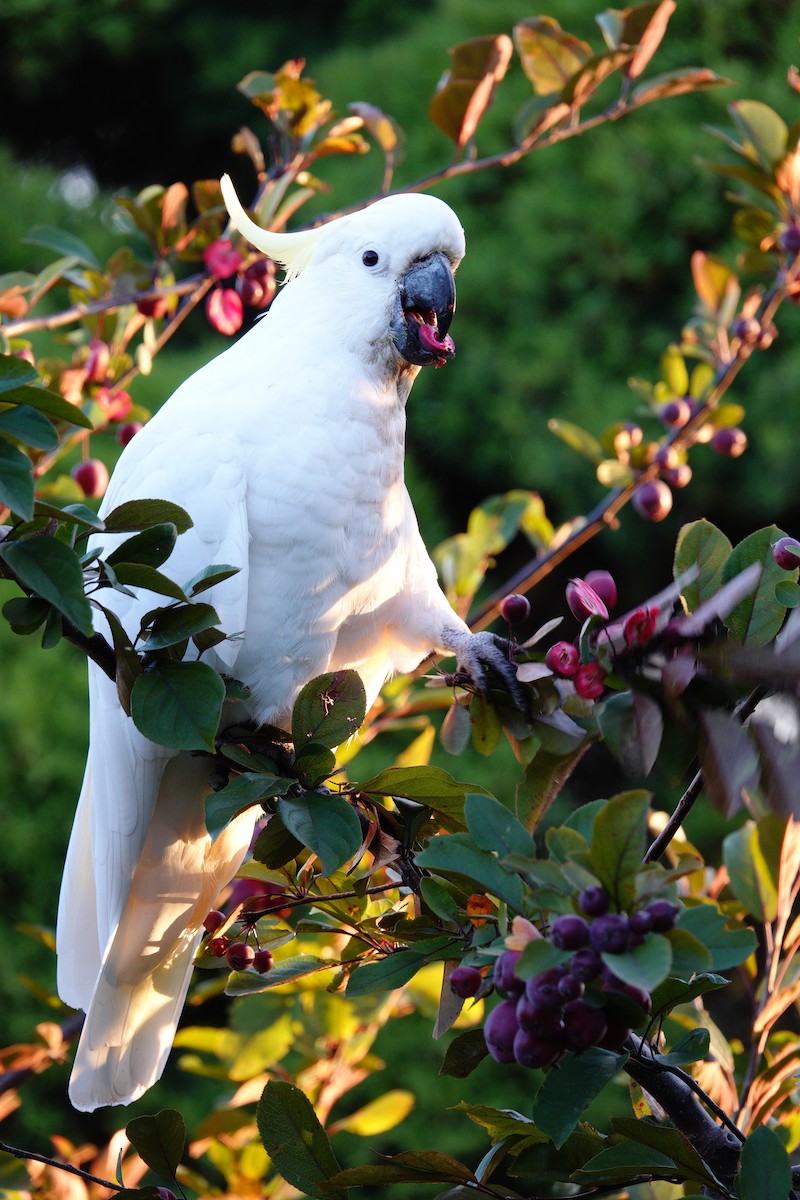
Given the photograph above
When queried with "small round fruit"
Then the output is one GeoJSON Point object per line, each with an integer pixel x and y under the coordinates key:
{"type": "Point", "coordinates": [515, 608]}
{"type": "Point", "coordinates": [570, 987]}
{"type": "Point", "coordinates": [675, 413]}
{"type": "Point", "coordinates": [595, 901]}
{"type": "Point", "coordinates": [543, 993]}
{"type": "Point", "coordinates": [662, 915]}
{"type": "Point", "coordinates": [640, 921]}
{"type": "Point", "coordinates": [153, 306]}
{"type": "Point", "coordinates": [584, 1025]}
{"type": "Point", "coordinates": [766, 336]}
{"type": "Point", "coordinates": [96, 365]}
{"type": "Point", "coordinates": [91, 476]}
{"type": "Point", "coordinates": [563, 659]}
{"type": "Point", "coordinates": [583, 601]}
{"type": "Point", "coordinates": [585, 965]}
{"type": "Point", "coordinates": [678, 477]}
{"type": "Point", "coordinates": [262, 961]}
{"type": "Point", "coordinates": [531, 1051]}
{"type": "Point", "coordinates": [505, 980]}
{"type": "Point", "coordinates": [638, 995]}
{"type": "Point", "coordinates": [602, 582]}
{"type": "Point", "coordinates": [609, 934]}
{"type": "Point", "coordinates": [730, 441]}
{"type": "Point", "coordinates": [786, 552]}
{"type": "Point", "coordinates": [128, 431]}
{"type": "Point", "coordinates": [466, 982]}
{"type": "Point", "coordinates": [240, 956]}
{"type": "Point", "coordinates": [746, 329]}
{"type": "Point", "coordinates": [224, 310]}
{"type": "Point", "coordinates": [213, 920]}
{"type": "Point", "coordinates": [653, 500]}
{"type": "Point", "coordinates": [590, 680]}
{"type": "Point", "coordinates": [500, 1030]}
{"type": "Point", "coordinates": [218, 946]}
{"type": "Point", "coordinates": [569, 932]}
{"type": "Point", "coordinates": [541, 1022]}
{"type": "Point", "coordinates": [789, 240]}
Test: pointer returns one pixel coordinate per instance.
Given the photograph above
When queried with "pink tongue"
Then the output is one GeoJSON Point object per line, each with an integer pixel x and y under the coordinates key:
{"type": "Point", "coordinates": [429, 340]}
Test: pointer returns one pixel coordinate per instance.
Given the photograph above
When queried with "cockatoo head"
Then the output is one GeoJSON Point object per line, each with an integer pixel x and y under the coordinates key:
{"type": "Point", "coordinates": [389, 268]}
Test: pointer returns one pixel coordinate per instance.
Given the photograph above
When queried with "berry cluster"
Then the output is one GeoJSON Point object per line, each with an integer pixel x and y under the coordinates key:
{"type": "Point", "coordinates": [254, 285]}
{"type": "Point", "coordinates": [238, 953]}
{"type": "Point", "coordinates": [579, 1003]}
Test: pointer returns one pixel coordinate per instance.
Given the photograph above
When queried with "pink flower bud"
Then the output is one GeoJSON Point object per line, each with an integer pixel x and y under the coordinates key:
{"type": "Point", "coordinates": [224, 310]}
{"type": "Point", "coordinates": [222, 258]}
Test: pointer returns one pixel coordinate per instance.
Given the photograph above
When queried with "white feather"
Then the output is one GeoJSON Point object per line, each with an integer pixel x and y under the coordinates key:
{"type": "Point", "coordinates": [287, 451]}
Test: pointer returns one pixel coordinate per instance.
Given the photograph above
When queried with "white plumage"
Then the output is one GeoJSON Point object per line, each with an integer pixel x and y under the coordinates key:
{"type": "Point", "coordinates": [287, 451]}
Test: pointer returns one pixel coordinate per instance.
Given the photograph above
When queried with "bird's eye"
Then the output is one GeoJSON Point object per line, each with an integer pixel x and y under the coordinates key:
{"type": "Point", "coordinates": [370, 258]}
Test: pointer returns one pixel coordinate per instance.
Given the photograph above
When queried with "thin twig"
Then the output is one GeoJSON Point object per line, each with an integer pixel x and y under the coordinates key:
{"type": "Point", "coordinates": [60, 1166]}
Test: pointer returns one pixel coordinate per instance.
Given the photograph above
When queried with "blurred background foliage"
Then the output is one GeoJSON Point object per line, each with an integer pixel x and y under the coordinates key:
{"type": "Point", "coordinates": [576, 278]}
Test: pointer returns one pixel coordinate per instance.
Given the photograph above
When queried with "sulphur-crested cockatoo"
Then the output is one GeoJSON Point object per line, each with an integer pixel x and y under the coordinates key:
{"type": "Point", "coordinates": [287, 452]}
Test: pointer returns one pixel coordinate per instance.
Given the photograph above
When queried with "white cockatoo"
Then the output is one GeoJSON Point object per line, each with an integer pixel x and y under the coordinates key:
{"type": "Point", "coordinates": [287, 452]}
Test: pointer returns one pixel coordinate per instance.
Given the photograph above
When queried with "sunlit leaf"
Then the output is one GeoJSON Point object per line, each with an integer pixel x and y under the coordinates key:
{"type": "Point", "coordinates": [549, 55]}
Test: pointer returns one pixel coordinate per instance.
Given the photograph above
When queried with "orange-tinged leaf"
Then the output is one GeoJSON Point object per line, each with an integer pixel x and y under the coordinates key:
{"type": "Point", "coordinates": [714, 281]}
{"type": "Point", "coordinates": [676, 83]}
{"type": "Point", "coordinates": [467, 89]}
{"type": "Point", "coordinates": [649, 39]}
{"type": "Point", "coordinates": [549, 55]}
{"type": "Point", "coordinates": [173, 207]}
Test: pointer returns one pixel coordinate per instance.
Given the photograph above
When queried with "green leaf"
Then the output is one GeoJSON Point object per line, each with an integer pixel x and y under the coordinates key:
{"type": "Point", "coordinates": [765, 133]}
{"type": "Point", "coordinates": [327, 825]}
{"type": "Point", "coordinates": [395, 970]}
{"type": "Point", "coordinates": [63, 243]}
{"type": "Point", "coordinates": [493, 827]}
{"type": "Point", "coordinates": [286, 970]}
{"type": "Point", "coordinates": [758, 617]}
{"type": "Point", "coordinates": [549, 55]}
{"type": "Point", "coordinates": [29, 426]}
{"type": "Point", "coordinates": [619, 837]}
{"type": "Point", "coordinates": [330, 709]}
{"type": "Point", "coordinates": [632, 730]}
{"type": "Point", "coordinates": [704, 546]}
{"type": "Point", "coordinates": [456, 852]}
{"type": "Point", "coordinates": [645, 966]}
{"type": "Point", "coordinates": [24, 614]}
{"type": "Point", "coordinates": [487, 728]}
{"type": "Point", "coordinates": [787, 593]}
{"type": "Point", "coordinates": [430, 786]}
{"type": "Point", "coordinates": [667, 1141]}
{"type": "Point", "coordinates": [275, 846]}
{"type": "Point", "coordinates": [16, 480]}
{"type": "Point", "coordinates": [539, 955]}
{"type": "Point", "coordinates": [456, 729]}
{"type": "Point", "coordinates": [295, 1140]}
{"type": "Point", "coordinates": [152, 547]}
{"type": "Point", "coordinates": [47, 402]}
{"type": "Point", "coordinates": [501, 1123]}
{"type": "Point", "coordinates": [691, 1048]}
{"type": "Point", "coordinates": [752, 877]}
{"type": "Point", "coordinates": [672, 992]}
{"type": "Point", "coordinates": [688, 953]}
{"type": "Point", "coordinates": [15, 372]}
{"type": "Point", "coordinates": [50, 569]}
{"type": "Point", "coordinates": [175, 625]}
{"type": "Point", "coordinates": [578, 439]}
{"type": "Point", "coordinates": [414, 1166]}
{"type": "Point", "coordinates": [178, 704]}
{"type": "Point", "coordinates": [566, 1092]}
{"type": "Point", "coordinates": [727, 947]}
{"type": "Point", "coordinates": [466, 1051]}
{"type": "Point", "coordinates": [765, 1170]}
{"type": "Point", "coordinates": [141, 576]}
{"type": "Point", "coordinates": [159, 1140]}
{"type": "Point", "coordinates": [241, 793]}
{"type": "Point", "coordinates": [136, 515]}
{"type": "Point", "coordinates": [620, 1163]}
{"type": "Point", "coordinates": [209, 577]}
{"type": "Point", "coordinates": [314, 763]}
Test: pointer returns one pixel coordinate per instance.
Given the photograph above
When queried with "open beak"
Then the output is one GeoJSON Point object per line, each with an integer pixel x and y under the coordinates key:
{"type": "Point", "coordinates": [427, 299]}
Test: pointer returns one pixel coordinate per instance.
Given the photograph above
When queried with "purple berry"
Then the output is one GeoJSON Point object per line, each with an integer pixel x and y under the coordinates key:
{"type": "Point", "coordinates": [239, 956]}
{"type": "Point", "coordinates": [505, 979]}
{"type": "Point", "coordinates": [730, 442]}
{"type": "Point", "coordinates": [543, 992]}
{"type": "Point", "coordinates": [586, 965]}
{"type": "Point", "coordinates": [789, 240]}
{"type": "Point", "coordinates": [569, 932]}
{"type": "Point", "coordinates": [653, 500]}
{"type": "Point", "coordinates": [213, 920]}
{"type": "Point", "coordinates": [533, 1018]}
{"type": "Point", "coordinates": [640, 921]}
{"type": "Point", "coordinates": [594, 901]}
{"type": "Point", "coordinates": [263, 961]}
{"type": "Point", "coordinates": [602, 582]}
{"type": "Point", "coordinates": [662, 915]}
{"type": "Point", "coordinates": [570, 988]}
{"type": "Point", "coordinates": [675, 413]}
{"type": "Point", "coordinates": [218, 946]}
{"type": "Point", "coordinates": [786, 552]}
{"type": "Point", "coordinates": [609, 934]}
{"type": "Point", "coordinates": [583, 601]}
{"type": "Point", "coordinates": [638, 995]}
{"type": "Point", "coordinates": [530, 1051]}
{"type": "Point", "coordinates": [466, 982]}
{"type": "Point", "coordinates": [515, 608]}
{"type": "Point", "coordinates": [500, 1030]}
{"type": "Point", "coordinates": [584, 1025]}
{"type": "Point", "coordinates": [680, 477]}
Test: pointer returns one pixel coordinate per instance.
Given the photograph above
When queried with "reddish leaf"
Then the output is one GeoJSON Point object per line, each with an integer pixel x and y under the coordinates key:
{"type": "Point", "coordinates": [550, 57]}
{"type": "Point", "coordinates": [729, 760]}
{"type": "Point", "coordinates": [466, 91]}
{"type": "Point", "coordinates": [676, 83]}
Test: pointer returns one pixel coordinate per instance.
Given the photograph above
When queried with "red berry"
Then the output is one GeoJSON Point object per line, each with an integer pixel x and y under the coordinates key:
{"type": "Point", "coordinates": [563, 659]}
{"type": "Point", "coordinates": [96, 365]}
{"type": "Point", "coordinates": [583, 601]}
{"type": "Point", "coordinates": [730, 441]}
{"type": "Point", "coordinates": [222, 258]}
{"type": "Point", "coordinates": [239, 956]}
{"type": "Point", "coordinates": [786, 552]}
{"type": "Point", "coordinates": [259, 898]}
{"type": "Point", "coordinates": [213, 920]}
{"type": "Point", "coordinates": [675, 413]}
{"type": "Point", "coordinates": [466, 982]}
{"type": "Point", "coordinates": [515, 608]}
{"type": "Point", "coordinates": [153, 306]}
{"type": "Point", "coordinates": [128, 431]}
{"type": "Point", "coordinates": [500, 1030]}
{"type": "Point", "coordinates": [569, 932]}
{"type": "Point", "coordinates": [218, 946]}
{"type": "Point", "coordinates": [115, 403]}
{"type": "Point", "coordinates": [602, 582]}
{"type": "Point", "coordinates": [589, 680]}
{"type": "Point", "coordinates": [224, 310]}
{"type": "Point", "coordinates": [653, 500]}
{"type": "Point", "coordinates": [263, 961]}
{"type": "Point", "coordinates": [91, 475]}
{"type": "Point", "coordinates": [640, 626]}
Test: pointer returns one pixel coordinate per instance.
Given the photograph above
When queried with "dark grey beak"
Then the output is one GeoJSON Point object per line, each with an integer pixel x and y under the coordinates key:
{"type": "Point", "coordinates": [426, 302]}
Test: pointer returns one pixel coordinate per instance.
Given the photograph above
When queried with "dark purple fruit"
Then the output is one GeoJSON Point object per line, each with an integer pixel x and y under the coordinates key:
{"type": "Point", "coordinates": [213, 920]}
{"type": "Point", "coordinates": [675, 413]}
{"type": "Point", "coordinates": [569, 932]}
{"type": "Point", "coordinates": [505, 979]}
{"type": "Point", "coordinates": [239, 956]}
{"type": "Point", "coordinates": [570, 988]}
{"type": "Point", "coordinates": [609, 934]}
{"type": "Point", "coordinates": [500, 1030]}
{"type": "Point", "coordinates": [543, 992]}
{"type": "Point", "coordinates": [263, 961]}
{"type": "Point", "coordinates": [583, 601]}
{"type": "Point", "coordinates": [730, 442]}
{"type": "Point", "coordinates": [586, 965]}
{"type": "Point", "coordinates": [602, 582]}
{"type": "Point", "coordinates": [662, 915]}
{"type": "Point", "coordinates": [594, 901]}
{"type": "Point", "coordinates": [640, 921]}
{"type": "Point", "coordinates": [789, 240]}
{"type": "Point", "coordinates": [653, 500]}
{"type": "Point", "coordinates": [466, 982]}
{"type": "Point", "coordinates": [218, 946]}
{"type": "Point", "coordinates": [530, 1051]}
{"type": "Point", "coordinates": [515, 608]}
{"type": "Point", "coordinates": [563, 659]}
{"type": "Point", "coordinates": [541, 1022]}
{"type": "Point", "coordinates": [786, 552]}
{"type": "Point", "coordinates": [584, 1025]}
